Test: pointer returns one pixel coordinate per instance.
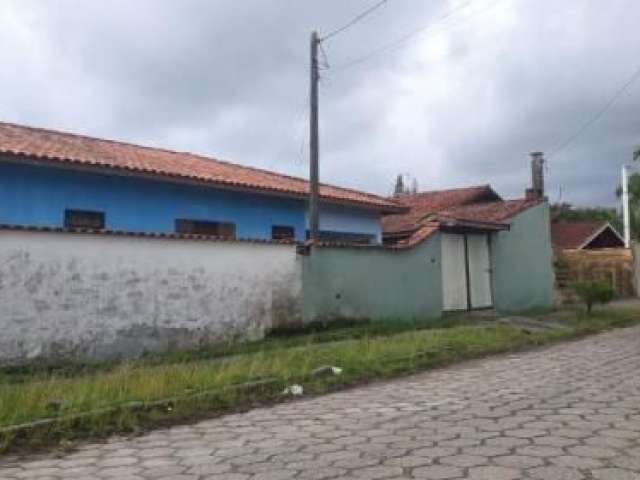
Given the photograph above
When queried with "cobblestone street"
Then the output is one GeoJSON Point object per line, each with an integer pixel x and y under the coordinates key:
{"type": "Point", "coordinates": [568, 412]}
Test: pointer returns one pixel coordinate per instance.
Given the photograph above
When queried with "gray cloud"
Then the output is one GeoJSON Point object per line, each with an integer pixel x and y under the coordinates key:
{"type": "Point", "coordinates": [463, 103]}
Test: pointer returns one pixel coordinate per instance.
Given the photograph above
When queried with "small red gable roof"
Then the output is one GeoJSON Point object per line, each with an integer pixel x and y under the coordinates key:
{"type": "Point", "coordinates": [23, 143]}
{"type": "Point", "coordinates": [423, 204]}
{"type": "Point", "coordinates": [574, 234]}
{"type": "Point", "coordinates": [477, 207]}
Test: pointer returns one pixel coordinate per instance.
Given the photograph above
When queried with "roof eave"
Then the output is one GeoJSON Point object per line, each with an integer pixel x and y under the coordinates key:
{"type": "Point", "coordinates": [453, 224]}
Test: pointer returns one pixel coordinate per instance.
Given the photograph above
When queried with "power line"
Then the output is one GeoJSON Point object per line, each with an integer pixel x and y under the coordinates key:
{"type": "Point", "coordinates": [585, 126]}
{"type": "Point", "coordinates": [352, 22]}
{"type": "Point", "coordinates": [325, 59]}
{"type": "Point", "coordinates": [405, 38]}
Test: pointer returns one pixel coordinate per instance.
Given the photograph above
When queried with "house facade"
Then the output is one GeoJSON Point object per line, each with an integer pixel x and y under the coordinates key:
{"type": "Point", "coordinates": [444, 265]}
{"type": "Point", "coordinates": [492, 252]}
{"type": "Point", "coordinates": [60, 180]}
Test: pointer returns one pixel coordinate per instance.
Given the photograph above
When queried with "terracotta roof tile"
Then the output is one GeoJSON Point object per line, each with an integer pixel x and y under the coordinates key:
{"type": "Point", "coordinates": [417, 237]}
{"type": "Point", "coordinates": [421, 205]}
{"type": "Point", "coordinates": [23, 141]}
{"type": "Point", "coordinates": [573, 234]}
{"type": "Point", "coordinates": [494, 212]}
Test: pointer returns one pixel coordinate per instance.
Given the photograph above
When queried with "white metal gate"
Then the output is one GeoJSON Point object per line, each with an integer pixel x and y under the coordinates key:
{"type": "Point", "coordinates": [466, 271]}
{"type": "Point", "coordinates": [454, 272]}
{"type": "Point", "coordinates": [479, 265]}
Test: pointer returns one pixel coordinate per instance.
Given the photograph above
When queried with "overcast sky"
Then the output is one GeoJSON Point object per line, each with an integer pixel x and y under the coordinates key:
{"type": "Point", "coordinates": [461, 103]}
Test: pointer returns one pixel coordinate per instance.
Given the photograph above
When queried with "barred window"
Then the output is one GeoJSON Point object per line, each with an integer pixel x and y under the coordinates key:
{"type": "Point", "coordinates": [205, 227]}
{"type": "Point", "coordinates": [84, 219]}
{"type": "Point", "coordinates": [282, 232]}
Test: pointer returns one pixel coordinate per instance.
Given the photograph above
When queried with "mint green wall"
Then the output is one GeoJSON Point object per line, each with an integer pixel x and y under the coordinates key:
{"type": "Point", "coordinates": [522, 262]}
{"type": "Point", "coordinates": [373, 283]}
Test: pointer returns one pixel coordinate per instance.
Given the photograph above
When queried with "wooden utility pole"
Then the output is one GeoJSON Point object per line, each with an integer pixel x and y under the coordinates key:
{"type": "Point", "coordinates": [314, 143]}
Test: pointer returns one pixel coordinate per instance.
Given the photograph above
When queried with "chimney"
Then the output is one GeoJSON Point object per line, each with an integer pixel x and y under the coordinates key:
{"type": "Point", "coordinates": [536, 192]}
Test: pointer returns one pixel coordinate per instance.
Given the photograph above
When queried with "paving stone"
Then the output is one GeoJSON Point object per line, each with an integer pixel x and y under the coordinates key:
{"type": "Point", "coordinates": [493, 473]}
{"type": "Point", "coordinates": [464, 460]}
{"type": "Point", "coordinates": [322, 473]}
{"type": "Point", "coordinates": [614, 474]}
{"type": "Point", "coordinates": [576, 462]}
{"type": "Point", "coordinates": [209, 469]}
{"type": "Point", "coordinates": [378, 472]}
{"type": "Point", "coordinates": [119, 471]}
{"type": "Point", "coordinates": [437, 472]}
{"type": "Point", "coordinates": [408, 461]}
{"type": "Point", "coordinates": [592, 452]}
{"type": "Point", "coordinates": [554, 441]}
{"type": "Point", "coordinates": [435, 452]}
{"type": "Point", "coordinates": [518, 461]}
{"type": "Point", "coordinates": [556, 473]}
{"type": "Point", "coordinates": [116, 462]}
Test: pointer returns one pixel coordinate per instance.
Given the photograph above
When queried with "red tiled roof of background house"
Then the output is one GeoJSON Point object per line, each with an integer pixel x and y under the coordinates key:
{"type": "Point", "coordinates": [36, 143]}
{"type": "Point", "coordinates": [574, 233]}
{"type": "Point", "coordinates": [423, 204]}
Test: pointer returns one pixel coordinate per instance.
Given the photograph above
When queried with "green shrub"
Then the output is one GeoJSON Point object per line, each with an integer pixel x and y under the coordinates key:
{"type": "Point", "coordinates": [594, 291]}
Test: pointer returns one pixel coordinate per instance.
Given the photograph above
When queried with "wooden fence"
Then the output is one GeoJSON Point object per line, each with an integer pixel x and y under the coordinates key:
{"type": "Point", "coordinates": [613, 265]}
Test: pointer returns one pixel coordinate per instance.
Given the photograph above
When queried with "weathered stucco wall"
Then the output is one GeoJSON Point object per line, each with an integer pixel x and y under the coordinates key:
{"type": "Point", "coordinates": [522, 262]}
{"type": "Point", "coordinates": [99, 296]}
{"type": "Point", "coordinates": [373, 283]}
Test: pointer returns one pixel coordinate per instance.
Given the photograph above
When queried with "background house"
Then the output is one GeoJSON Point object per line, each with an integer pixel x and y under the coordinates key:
{"type": "Point", "coordinates": [61, 180]}
{"type": "Point", "coordinates": [588, 250]}
{"type": "Point", "coordinates": [584, 235]}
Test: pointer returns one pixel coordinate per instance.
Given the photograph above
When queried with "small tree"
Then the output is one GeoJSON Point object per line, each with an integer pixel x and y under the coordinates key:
{"type": "Point", "coordinates": [399, 188]}
{"type": "Point", "coordinates": [594, 291]}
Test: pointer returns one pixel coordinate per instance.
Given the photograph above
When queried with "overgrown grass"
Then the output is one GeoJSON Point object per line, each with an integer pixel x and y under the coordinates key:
{"type": "Point", "coordinates": [364, 352]}
{"type": "Point", "coordinates": [314, 333]}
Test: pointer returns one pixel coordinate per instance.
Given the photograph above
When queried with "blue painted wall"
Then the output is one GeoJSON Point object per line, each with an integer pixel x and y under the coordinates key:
{"type": "Point", "coordinates": [38, 196]}
{"type": "Point", "coordinates": [35, 195]}
{"type": "Point", "coordinates": [336, 218]}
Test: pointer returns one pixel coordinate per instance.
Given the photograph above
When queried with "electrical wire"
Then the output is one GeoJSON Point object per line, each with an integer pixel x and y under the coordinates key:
{"type": "Point", "coordinates": [585, 126]}
{"type": "Point", "coordinates": [405, 38]}
{"type": "Point", "coordinates": [352, 22]}
{"type": "Point", "coordinates": [325, 59]}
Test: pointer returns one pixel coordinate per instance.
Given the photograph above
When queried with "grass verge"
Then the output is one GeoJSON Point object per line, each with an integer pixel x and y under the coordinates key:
{"type": "Point", "coordinates": [128, 397]}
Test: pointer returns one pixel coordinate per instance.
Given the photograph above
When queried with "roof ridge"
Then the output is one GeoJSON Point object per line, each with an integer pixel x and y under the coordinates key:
{"type": "Point", "coordinates": [454, 189]}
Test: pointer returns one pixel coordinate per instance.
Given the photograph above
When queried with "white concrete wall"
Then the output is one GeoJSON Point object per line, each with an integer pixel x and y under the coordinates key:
{"type": "Point", "coordinates": [76, 296]}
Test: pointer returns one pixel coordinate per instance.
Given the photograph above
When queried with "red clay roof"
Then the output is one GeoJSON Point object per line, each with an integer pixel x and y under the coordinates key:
{"type": "Point", "coordinates": [573, 234]}
{"type": "Point", "coordinates": [23, 141]}
{"type": "Point", "coordinates": [417, 237]}
{"type": "Point", "coordinates": [421, 205]}
{"type": "Point", "coordinates": [494, 212]}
